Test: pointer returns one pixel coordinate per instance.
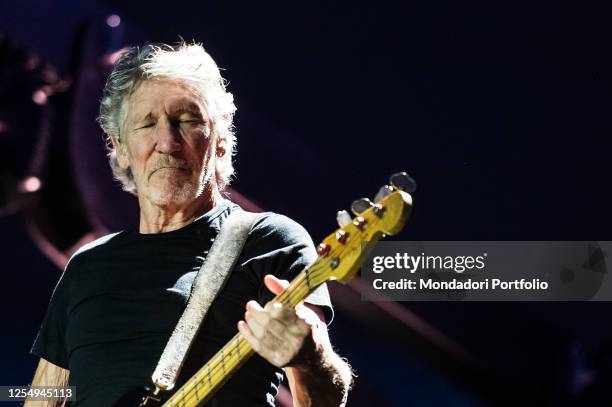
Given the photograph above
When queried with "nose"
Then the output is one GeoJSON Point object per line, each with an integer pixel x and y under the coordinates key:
{"type": "Point", "coordinates": [167, 136]}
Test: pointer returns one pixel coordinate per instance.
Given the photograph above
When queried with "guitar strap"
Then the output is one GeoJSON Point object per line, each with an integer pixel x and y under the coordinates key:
{"type": "Point", "coordinates": [207, 284]}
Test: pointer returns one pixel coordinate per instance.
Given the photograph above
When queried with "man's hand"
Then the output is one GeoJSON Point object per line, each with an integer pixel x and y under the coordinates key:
{"type": "Point", "coordinates": [280, 334]}
{"type": "Point", "coordinates": [297, 340]}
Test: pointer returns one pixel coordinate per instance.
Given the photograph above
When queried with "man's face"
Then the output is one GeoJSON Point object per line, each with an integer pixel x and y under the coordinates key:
{"type": "Point", "coordinates": [166, 142]}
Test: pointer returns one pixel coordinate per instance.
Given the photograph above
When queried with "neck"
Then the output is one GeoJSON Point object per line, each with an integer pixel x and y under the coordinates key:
{"type": "Point", "coordinates": [165, 218]}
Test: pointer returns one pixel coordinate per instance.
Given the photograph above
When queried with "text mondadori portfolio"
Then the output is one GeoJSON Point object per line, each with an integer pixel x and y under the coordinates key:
{"type": "Point", "coordinates": [454, 284]}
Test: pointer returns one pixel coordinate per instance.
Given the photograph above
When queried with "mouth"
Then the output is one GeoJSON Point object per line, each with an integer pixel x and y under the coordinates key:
{"type": "Point", "coordinates": [169, 167]}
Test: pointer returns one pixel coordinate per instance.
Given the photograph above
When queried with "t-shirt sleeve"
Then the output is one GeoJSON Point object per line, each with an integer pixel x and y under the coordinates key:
{"type": "Point", "coordinates": [280, 246]}
{"type": "Point", "coordinates": [50, 343]}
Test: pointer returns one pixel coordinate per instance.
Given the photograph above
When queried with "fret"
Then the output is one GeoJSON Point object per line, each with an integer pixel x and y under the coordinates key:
{"type": "Point", "coordinates": [307, 274]}
{"type": "Point", "coordinates": [237, 347]}
{"type": "Point", "coordinates": [181, 400]}
{"type": "Point", "coordinates": [210, 384]}
{"type": "Point", "coordinates": [223, 361]}
{"type": "Point", "coordinates": [195, 388]}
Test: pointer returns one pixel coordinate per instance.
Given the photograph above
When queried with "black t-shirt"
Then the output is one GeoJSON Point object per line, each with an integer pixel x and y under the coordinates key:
{"type": "Point", "coordinates": [121, 296]}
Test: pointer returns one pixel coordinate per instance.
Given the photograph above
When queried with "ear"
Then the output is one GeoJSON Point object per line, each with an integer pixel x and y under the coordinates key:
{"type": "Point", "coordinates": [221, 149]}
{"type": "Point", "coordinates": [120, 152]}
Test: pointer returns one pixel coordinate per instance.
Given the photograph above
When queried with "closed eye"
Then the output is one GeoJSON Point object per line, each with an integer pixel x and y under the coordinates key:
{"type": "Point", "coordinates": [192, 122]}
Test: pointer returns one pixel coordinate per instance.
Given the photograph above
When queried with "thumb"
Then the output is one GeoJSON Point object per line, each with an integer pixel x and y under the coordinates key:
{"type": "Point", "coordinates": [274, 284]}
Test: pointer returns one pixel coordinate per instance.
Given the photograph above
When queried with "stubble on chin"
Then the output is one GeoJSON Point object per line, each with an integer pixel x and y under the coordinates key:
{"type": "Point", "coordinates": [168, 196]}
{"type": "Point", "coordinates": [176, 191]}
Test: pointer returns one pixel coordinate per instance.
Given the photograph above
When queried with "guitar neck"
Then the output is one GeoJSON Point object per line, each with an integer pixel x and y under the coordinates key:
{"type": "Point", "coordinates": [201, 387]}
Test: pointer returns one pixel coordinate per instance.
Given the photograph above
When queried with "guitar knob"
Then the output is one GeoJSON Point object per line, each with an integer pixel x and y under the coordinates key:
{"type": "Point", "coordinates": [382, 193]}
{"type": "Point", "coordinates": [343, 218]}
{"type": "Point", "coordinates": [361, 205]}
{"type": "Point", "coordinates": [403, 181]}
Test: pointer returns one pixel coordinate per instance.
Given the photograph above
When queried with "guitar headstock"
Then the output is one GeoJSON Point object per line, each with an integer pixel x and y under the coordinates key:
{"type": "Point", "coordinates": [341, 252]}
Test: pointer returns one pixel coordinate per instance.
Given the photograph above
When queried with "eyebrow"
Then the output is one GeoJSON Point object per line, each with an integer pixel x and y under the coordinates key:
{"type": "Point", "coordinates": [191, 109]}
{"type": "Point", "coordinates": [188, 106]}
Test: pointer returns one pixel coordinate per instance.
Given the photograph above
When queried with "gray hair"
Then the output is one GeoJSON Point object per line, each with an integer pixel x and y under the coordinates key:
{"type": "Point", "coordinates": [186, 63]}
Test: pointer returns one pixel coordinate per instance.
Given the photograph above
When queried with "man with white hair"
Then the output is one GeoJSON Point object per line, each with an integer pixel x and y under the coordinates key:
{"type": "Point", "coordinates": [168, 118]}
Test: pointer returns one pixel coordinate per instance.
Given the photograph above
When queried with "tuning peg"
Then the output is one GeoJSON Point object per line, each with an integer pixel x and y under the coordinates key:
{"type": "Point", "coordinates": [382, 192]}
{"type": "Point", "coordinates": [361, 205]}
{"type": "Point", "coordinates": [343, 218]}
{"type": "Point", "coordinates": [403, 181]}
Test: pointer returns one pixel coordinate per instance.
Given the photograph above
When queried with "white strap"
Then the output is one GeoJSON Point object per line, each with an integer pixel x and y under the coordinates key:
{"type": "Point", "coordinates": [210, 279]}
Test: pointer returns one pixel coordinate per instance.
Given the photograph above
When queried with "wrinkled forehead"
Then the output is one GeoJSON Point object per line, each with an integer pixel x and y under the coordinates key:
{"type": "Point", "coordinates": [157, 95]}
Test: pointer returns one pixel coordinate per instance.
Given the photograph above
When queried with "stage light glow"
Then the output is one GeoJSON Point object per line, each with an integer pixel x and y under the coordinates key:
{"type": "Point", "coordinates": [110, 59]}
{"type": "Point", "coordinates": [113, 20]}
{"type": "Point", "coordinates": [30, 184]}
{"type": "Point", "coordinates": [39, 97]}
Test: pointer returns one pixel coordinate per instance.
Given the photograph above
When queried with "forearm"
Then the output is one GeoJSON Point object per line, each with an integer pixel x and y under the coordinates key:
{"type": "Point", "coordinates": [322, 380]}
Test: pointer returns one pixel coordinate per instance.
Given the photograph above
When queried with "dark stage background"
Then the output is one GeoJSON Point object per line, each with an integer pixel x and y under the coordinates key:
{"type": "Point", "coordinates": [500, 110]}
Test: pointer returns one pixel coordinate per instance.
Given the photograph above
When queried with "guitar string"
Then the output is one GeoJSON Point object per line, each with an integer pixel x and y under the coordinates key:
{"type": "Point", "coordinates": [213, 370]}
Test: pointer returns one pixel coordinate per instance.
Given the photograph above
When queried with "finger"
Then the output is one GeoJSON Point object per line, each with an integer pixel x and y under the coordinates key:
{"type": "Point", "coordinates": [253, 306]}
{"type": "Point", "coordinates": [276, 308]}
{"type": "Point", "coordinates": [261, 315]}
{"type": "Point", "coordinates": [275, 285]}
{"type": "Point", "coordinates": [262, 324]}
{"type": "Point", "coordinates": [247, 334]}
{"type": "Point", "coordinates": [257, 323]}
{"type": "Point", "coordinates": [284, 314]}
